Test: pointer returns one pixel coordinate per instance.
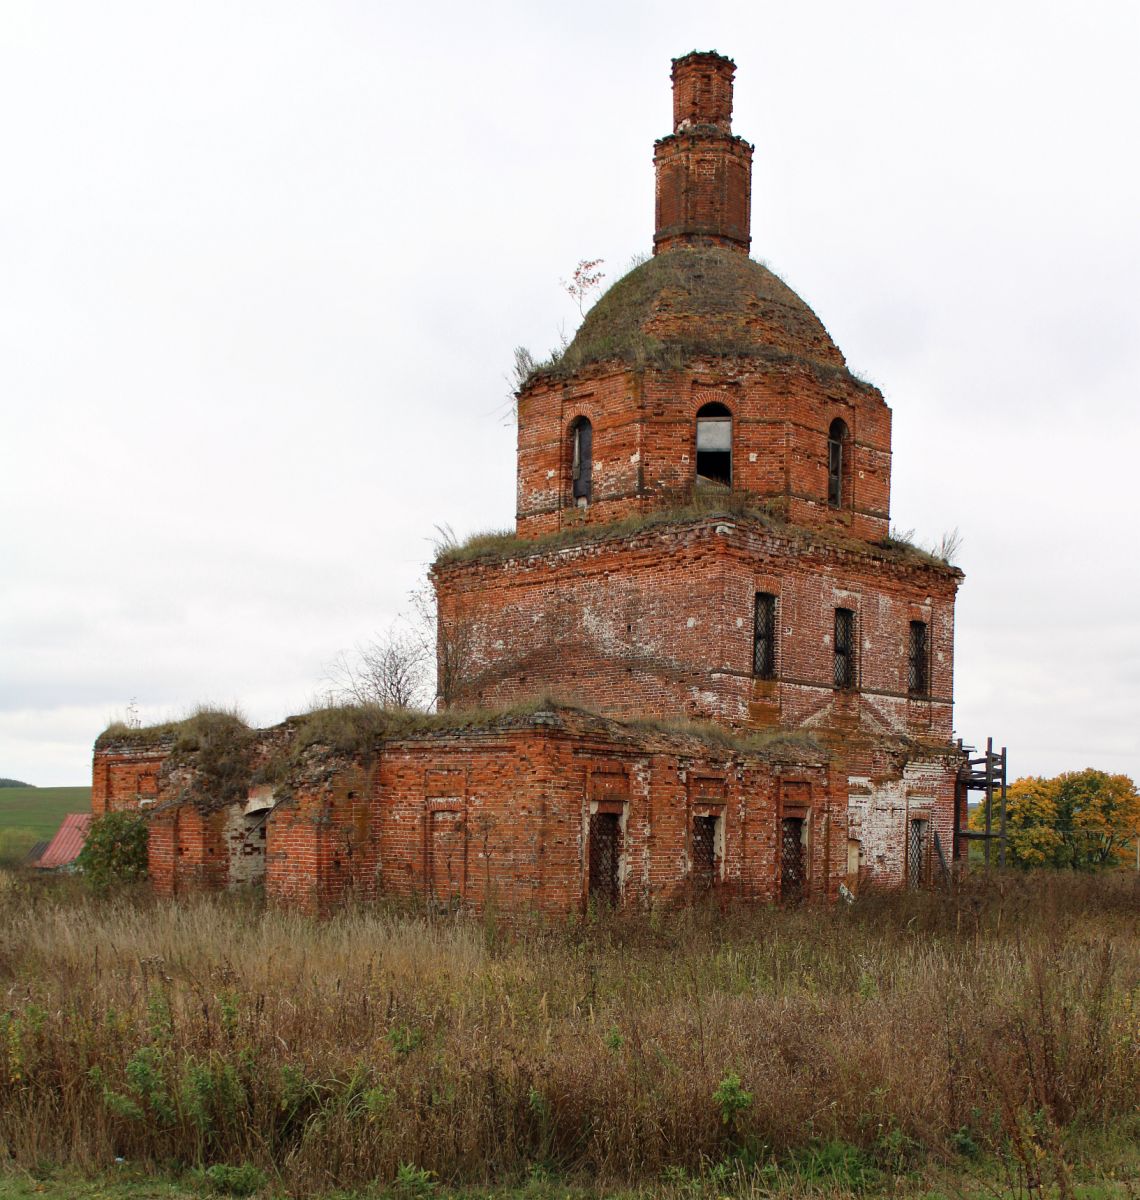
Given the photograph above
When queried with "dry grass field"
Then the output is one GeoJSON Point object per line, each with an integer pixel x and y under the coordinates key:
{"type": "Point", "coordinates": [992, 1033]}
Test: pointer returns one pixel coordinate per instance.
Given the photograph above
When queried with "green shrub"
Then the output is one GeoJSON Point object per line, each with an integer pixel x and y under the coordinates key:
{"type": "Point", "coordinates": [235, 1181]}
{"type": "Point", "coordinates": [413, 1183]}
{"type": "Point", "coordinates": [115, 850]}
{"type": "Point", "coordinates": [731, 1098]}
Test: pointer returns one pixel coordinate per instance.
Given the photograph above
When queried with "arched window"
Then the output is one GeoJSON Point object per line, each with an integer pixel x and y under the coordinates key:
{"type": "Point", "coordinates": [714, 445]}
{"type": "Point", "coordinates": [581, 460]}
{"type": "Point", "coordinates": [837, 450]}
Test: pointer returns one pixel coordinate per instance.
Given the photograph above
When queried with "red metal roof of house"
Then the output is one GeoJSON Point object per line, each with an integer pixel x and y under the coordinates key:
{"type": "Point", "coordinates": [68, 841]}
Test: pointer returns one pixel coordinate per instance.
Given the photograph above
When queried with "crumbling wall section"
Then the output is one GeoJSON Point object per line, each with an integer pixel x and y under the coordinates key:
{"type": "Point", "coordinates": [124, 776]}
{"type": "Point", "coordinates": [883, 807]}
{"type": "Point", "coordinates": [322, 848]}
{"type": "Point", "coordinates": [188, 851]}
{"type": "Point", "coordinates": [499, 813]}
{"type": "Point", "coordinates": [661, 622]}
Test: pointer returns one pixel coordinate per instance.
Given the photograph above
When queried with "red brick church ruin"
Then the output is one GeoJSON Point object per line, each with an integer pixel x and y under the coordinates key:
{"type": "Point", "coordinates": [752, 681]}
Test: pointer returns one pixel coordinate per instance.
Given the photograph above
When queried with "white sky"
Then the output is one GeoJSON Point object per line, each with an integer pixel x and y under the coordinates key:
{"type": "Point", "coordinates": [262, 267]}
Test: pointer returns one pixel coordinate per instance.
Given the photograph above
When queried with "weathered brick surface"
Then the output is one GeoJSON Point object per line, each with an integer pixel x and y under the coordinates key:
{"type": "Point", "coordinates": [322, 847]}
{"type": "Point", "coordinates": [126, 780]}
{"type": "Point", "coordinates": [644, 425]}
{"type": "Point", "coordinates": [501, 816]}
{"type": "Point", "coordinates": [704, 174]}
{"type": "Point", "coordinates": [661, 622]}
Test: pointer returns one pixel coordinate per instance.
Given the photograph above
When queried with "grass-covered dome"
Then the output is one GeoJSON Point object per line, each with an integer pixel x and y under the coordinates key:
{"type": "Point", "coordinates": [689, 301]}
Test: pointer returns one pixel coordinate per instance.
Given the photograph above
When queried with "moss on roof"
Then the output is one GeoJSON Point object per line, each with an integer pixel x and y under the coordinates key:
{"type": "Point", "coordinates": [360, 731]}
{"type": "Point", "coordinates": [690, 301]}
{"type": "Point", "coordinates": [498, 545]}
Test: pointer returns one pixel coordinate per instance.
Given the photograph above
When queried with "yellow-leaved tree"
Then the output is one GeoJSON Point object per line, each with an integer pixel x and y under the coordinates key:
{"type": "Point", "coordinates": [1082, 819]}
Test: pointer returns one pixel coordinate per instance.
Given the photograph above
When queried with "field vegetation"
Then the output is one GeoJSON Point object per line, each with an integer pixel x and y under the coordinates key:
{"type": "Point", "coordinates": [32, 814]}
{"type": "Point", "coordinates": [992, 1033]}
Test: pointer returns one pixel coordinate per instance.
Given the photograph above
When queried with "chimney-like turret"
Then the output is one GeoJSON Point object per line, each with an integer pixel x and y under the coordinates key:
{"type": "Point", "coordinates": [704, 173]}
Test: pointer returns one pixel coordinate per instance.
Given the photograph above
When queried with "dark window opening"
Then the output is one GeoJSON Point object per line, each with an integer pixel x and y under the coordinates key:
{"type": "Point", "coordinates": [704, 853]}
{"type": "Point", "coordinates": [764, 637]}
{"type": "Point", "coordinates": [714, 446]}
{"type": "Point", "coordinates": [916, 853]}
{"type": "Point", "coordinates": [793, 862]}
{"type": "Point", "coordinates": [918, 673]}
{"type": "Point", "coordinates": [581, 459]}
{"type": "Point", "coordinates": [837, 439]}
{"type": "Point", "coordinates": [605, 854]}
{"type": "Point", "coordinates": [844, 648]}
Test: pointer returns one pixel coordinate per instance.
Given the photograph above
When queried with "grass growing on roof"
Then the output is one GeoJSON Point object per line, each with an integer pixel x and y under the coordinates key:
{"type": "Point", "coordinates": [690, 302]}
{"type": "Point", "coordinates": [706, 504]}
{"type": "Point", "coordinates": [184, 734]}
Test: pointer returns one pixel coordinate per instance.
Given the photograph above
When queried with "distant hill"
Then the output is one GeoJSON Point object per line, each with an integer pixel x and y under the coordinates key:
{"type": "Point", "coordinates": [41, 809]}
{"type": "Point", "coordinates": [15, 783]}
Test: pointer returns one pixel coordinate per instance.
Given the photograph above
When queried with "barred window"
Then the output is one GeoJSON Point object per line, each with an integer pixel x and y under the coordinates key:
{"type": "Point", "coordinates": [844, 648]}
{"type": "Point", "coordinates": [917, 852]}
{"type": "Point", "coordinates": [764, 637]}
{"type": "Point", "coordinates": [918, 675]}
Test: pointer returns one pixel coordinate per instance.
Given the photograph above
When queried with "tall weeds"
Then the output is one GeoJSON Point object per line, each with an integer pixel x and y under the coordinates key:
{"type": "Point", "coordinates": [328, 1054]}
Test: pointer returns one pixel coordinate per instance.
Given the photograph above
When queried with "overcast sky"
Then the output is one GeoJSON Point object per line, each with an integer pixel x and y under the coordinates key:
{"type": "Point", "coordinates": [263, 265]}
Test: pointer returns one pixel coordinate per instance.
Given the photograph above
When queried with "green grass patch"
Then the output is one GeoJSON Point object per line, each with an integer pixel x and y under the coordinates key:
{"type": "Point", "coordinates": [39, 810]}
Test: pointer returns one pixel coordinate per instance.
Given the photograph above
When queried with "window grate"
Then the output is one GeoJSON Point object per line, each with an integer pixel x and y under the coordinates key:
{"type": "Point", "coordinates": [844, 648]}
{"type": "Point", "coordinates": [764, 637]}
{"type": "Point", "coordinates": [704, 852]}
{"type": "Point", "coordinates": [605, 854]}
{"type": "Point", "coordinates": [792, 865]}
{"type": "Point", "coordinates": [916, 854]}
{"type": "Point", "coordinates": [918, 681]}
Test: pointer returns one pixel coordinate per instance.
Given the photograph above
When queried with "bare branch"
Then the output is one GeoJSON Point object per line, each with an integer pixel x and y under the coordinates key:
{"type": "Point", "coordinates": [392, 671]}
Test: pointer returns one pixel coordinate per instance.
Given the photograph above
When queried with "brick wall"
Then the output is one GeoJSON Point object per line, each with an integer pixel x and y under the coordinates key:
{"type": "Point", "coordinates": [704, 174]}
{"type": "Point", "coordinates": [644, 442]}
{"type": "Point", "coordinates": [500, 815]}
{"type": "Point", "coordinates": [480, 820]}
{"type": "Point", "coordinates": [188, 850]}
{"type": "Point", "coordinates": [125, 777]}
{"type": "Point", "coordinates": [661, 622]}
{"type": "Point", "coordinates": [322, 845]}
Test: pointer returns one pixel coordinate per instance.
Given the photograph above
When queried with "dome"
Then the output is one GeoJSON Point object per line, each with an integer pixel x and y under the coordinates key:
{"type": "Point", "coordinates": [692, 300]}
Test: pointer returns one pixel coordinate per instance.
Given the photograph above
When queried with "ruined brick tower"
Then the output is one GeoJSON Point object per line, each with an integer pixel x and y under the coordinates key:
{"type": "Point", "coordinates": [701, 532]}
{"type": "Point", "coordinates": [703, 513]}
